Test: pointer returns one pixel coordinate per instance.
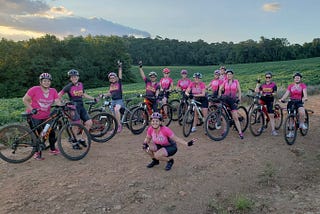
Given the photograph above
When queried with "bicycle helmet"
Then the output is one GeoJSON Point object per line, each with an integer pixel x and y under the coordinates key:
{"type": "Point", "coordinates": [112, 74]}
{"type": "Point", "coordinates": [222, 68]}
{"type": "Point", "coordinates": [45, 76]}
{"type": "Point", "coordinates": [217, 72]}
{"type": "Point", "coordinates": [73, 72]}
{"type": "Point", "coordinates": [297, 74]}
{"type": "Point", "coordinates": [229, 71]}
{"type": "Point", "coordinates": [184, 72]}
{"type": "Point", "coordinates": [166, 71]}
{"type": "Point", "coordinates": [197, 75]}
{"type": "Point", "coordinates": [156, 115]}
{"type": "Point", "coordinates": [152, 73]}
{"type": "Point", "coordinates": [268, 73]}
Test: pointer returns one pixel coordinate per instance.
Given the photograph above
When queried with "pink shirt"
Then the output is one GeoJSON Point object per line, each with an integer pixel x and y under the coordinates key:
{"type": "Point", "coordinates": [197, 88]}
{"type": "Point", "coordinates": [183, 83]}
{"type": "Point", "coordinates": [165, 82]}
{"type": "Point", "coordinates": [40, 102]}
{"type": "Point", "coordinates": [296, 91]}
{"type": "Point", "coordinates": [161, 138]}
{"type": "Point", "coordinates": [215, 83]}
{"type": "Point", "coordinates": [230, 89]}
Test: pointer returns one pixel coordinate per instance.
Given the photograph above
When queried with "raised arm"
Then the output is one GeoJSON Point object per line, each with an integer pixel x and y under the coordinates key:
{"type": "Point", "coordinates": [141, 70]}
{"type": "Point", "coordinates": [119, 69]}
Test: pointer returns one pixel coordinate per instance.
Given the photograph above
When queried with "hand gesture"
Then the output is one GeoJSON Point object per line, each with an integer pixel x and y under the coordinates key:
{"type": "Point", "coordinates": [119, 64]}
{"type": "Point", "coordinates": [140, 64]}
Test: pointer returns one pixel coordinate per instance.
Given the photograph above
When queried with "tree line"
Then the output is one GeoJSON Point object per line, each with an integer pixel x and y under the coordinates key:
{"type": "Point", "coordinates": [95, 56]}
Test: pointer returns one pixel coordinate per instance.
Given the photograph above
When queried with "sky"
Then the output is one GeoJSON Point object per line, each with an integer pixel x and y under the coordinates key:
{"type": "Point", "coordinates": [185, 20]}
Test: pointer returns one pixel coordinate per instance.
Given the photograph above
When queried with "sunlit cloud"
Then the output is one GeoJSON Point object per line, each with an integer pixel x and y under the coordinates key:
{"type": "Point", "coordinates": [17, 34]}
{"type": "Point", "coordinates": [271, 7]}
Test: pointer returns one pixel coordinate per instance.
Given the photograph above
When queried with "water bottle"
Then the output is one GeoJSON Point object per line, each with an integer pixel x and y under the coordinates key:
{"type": "Point", "coordinates": [45, 129]}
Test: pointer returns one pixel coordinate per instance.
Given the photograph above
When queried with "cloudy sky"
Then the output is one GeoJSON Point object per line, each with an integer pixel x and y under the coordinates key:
{"type": "Point", "coordinates": [185, 20]}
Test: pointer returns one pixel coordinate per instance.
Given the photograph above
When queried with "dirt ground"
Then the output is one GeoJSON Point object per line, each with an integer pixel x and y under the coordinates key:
{"type": "Point", "coordinates": [262, 173]}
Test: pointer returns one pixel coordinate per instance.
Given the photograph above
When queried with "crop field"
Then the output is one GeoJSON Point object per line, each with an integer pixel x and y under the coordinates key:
{"type": "Point", "coordinates": [247, 74]}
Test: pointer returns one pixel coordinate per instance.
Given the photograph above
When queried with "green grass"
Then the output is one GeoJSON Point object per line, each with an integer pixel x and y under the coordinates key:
{"type": "Point", "coordinates": [10, 109]}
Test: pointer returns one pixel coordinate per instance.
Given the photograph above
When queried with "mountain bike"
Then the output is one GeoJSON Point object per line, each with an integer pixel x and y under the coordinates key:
{"type": "Point", "coordinates": [219, 121]}
{"type": "Point", "coordinates": [139, 119]}
{"type": "Point", "coordinates": [125, 111]}
{"type": "Point", "coordinates": [291, 124]}
{"type": "Point", "coordinates": [18, 143]}
{"type": "Point", "coordinates": [259, 117]}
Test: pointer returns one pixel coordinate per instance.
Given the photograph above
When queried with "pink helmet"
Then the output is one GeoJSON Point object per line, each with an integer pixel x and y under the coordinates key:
{"type": "Point", "coordinates": [184, 72]}
{"type": "Point", "coordinates": [166, 70]}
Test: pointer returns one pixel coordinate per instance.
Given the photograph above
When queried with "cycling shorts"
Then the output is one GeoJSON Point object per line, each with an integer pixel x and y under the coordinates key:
{"type": "Point", "coordinates": [203, 101]}
{"type": "Point", "coordinates": [268, 101]}
{"type": "Point", "coordinates": [232, 102]}
{"type": "Point", "coordinates": [81, 113]}
{"type": "Point", "coordinates": [294, 104]}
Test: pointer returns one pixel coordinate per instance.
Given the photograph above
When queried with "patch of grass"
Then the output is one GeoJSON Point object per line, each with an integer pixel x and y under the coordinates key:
{"type": "Point", "coordinates": [215, 207]}
{"type": "Point", "coordinates": [243, 204]}
{"type": "Point", "coordinates": [268, 175]}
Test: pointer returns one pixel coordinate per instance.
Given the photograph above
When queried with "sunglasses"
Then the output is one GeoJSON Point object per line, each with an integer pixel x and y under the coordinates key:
{"type": "Point", "coordinates": [268, 77]}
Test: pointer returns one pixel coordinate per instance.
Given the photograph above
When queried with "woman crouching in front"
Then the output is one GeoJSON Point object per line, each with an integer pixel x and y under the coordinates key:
{"type": "Point", "coordinates": [160, 142]}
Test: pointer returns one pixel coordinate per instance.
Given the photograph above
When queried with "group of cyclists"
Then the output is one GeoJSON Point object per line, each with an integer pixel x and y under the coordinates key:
{"type": "Point", "coordinates": [160, 141]}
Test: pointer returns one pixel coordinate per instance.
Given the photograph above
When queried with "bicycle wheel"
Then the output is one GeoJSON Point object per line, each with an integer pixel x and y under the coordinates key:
{"type": "Point", "coordinates": [183, 107]}
{"type": "Point", "coordinates": [278, 116]}
{"type": "Point", "coordinates": [93, 112]}
{"type": "Point", "coordinates": [243, 118]}
{"type": "Point", "coordinates": [74, 141]}
{"type": "Point", "coordinates": [166, 111]}
{"type": "Point", "coordinates": [290, 130]}
{"type": "Point", "coordinates": [175, 109]}
{"type": "Point", "coordinates": [256, 122]}
{"type": "Point", "coordinates": [17, 143]}
{"type": "Point", "coordinates": [304, 132]}
{"type": "Point", "coordinates": [188, 122]}
{"type": "Point", "coordinates": [126, 116]}
{"type": "Point", "coordinates": [139, 120]}
{"type": "Point", "coordinates": [216, 126]}
{"type": "Point", "coordinates": [104, 127]}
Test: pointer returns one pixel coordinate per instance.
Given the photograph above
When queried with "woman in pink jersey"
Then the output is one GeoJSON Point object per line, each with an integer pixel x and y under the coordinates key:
{"type": "Point", "coordinates": [166, 85]}
{"type": "Point", "coordinates": [298, 95]}
{"type": "Point", "coordinates": [215, 84]}
{"type": "Point", "coordinates": [232, 96]}
{"type": "Point", "coordinates": [198, 91]}
{"type": "Point", "coordinates": [268, 90]}
{"type": "Point", "coordinates": [160, 142]}
{"type": "Point", "coordinates": [39, 99]}
{"type": "Point", "coordinates": [223, 75]}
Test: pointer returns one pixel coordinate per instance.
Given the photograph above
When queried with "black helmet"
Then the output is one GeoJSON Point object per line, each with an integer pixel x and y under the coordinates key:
{"type": "Point", "coordinates": [198, 75]}
{"type": "Point", "coordinates": [73, 72]}
{"type": "Point", "coordinates": [297, 74]}
{"type": "Point", "coordinates": [45, 76]}
{"type": "Point", "coordinates": [268, 73]}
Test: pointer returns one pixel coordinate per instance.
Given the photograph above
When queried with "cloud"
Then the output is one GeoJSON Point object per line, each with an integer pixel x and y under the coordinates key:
{"type": "Point", "coordinates": [33, 18]}
{"type": "Point", "coordinates": [271, 7]}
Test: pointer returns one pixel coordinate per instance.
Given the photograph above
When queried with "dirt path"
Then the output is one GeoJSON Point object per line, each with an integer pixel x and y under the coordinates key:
{"type": "Point", "coordinates": [205, 178]}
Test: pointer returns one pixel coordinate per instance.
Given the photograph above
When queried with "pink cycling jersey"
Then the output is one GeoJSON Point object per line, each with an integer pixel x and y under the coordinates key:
{"type": "Point", "coordinates": [41, 102]}
{"type": "Point", "coordinates": [151, 88]}
{"type": "Point", "coordinates": [230, 89]}
{"type": "Point", "coordinates": [165, 82]}
{"type": "Point", "coordinates": [197, 88]}
{"type": "Point", "coordinates": [268, 89]}
{"type": "Point", "coordinates": [161, 138]}
{"type": "Point", "coordinates": [183, 83]}
{"type": "Point", "coordinates": [215, 83]}
{"type": "Point", "coordinates": [296, 91]}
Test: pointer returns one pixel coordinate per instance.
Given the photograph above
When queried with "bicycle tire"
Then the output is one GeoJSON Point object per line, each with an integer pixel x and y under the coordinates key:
{"type": "Point", "coordinates": [243, 118]}
{"type": "Point", "coordinates": [17, 143]}
{"type": "Point", "coordinates": [69, 141]}
{"type": "Point", "coordinates": [278, 116]}
{"type": "Point", "coordinates": [126, 116]}
{"type": "Point", "coordinates": [290, 126]}
{"type": "Point", "coordinates": [139, 120]}
{"type": "Point", "coordinates": [217, 126]}
{"type": "Point", "coordinates": [304, 132]}
{"type": "Point", "coordinates": [256, 122]}
{"type": "Point", "coordinates": [175, 109]}
{"type": "Point", "coordinates": [183, 107]}
{"type": "Point", "coordinates": [104, 127]}
{"type": "Point", "coordinates": [93, 112]}
{"type": "Point", "coordinates": [187, 122]}
{"type": "Point", "coordinates": [166, 114]}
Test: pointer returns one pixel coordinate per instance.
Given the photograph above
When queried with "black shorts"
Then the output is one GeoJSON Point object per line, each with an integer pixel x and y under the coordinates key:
{"type": "Point", "coordinates": [203, 101]}
{"type": "Point", "coordinates": [268, 101]}
{"type": "Point", "coordinates": [171, 149]}
{"type": "Point", "coordinates": [81, 113]}
{"type": "Point", "coordinates": [232, 102]}
{"type": "Point", "coordinates": [294, 104]}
